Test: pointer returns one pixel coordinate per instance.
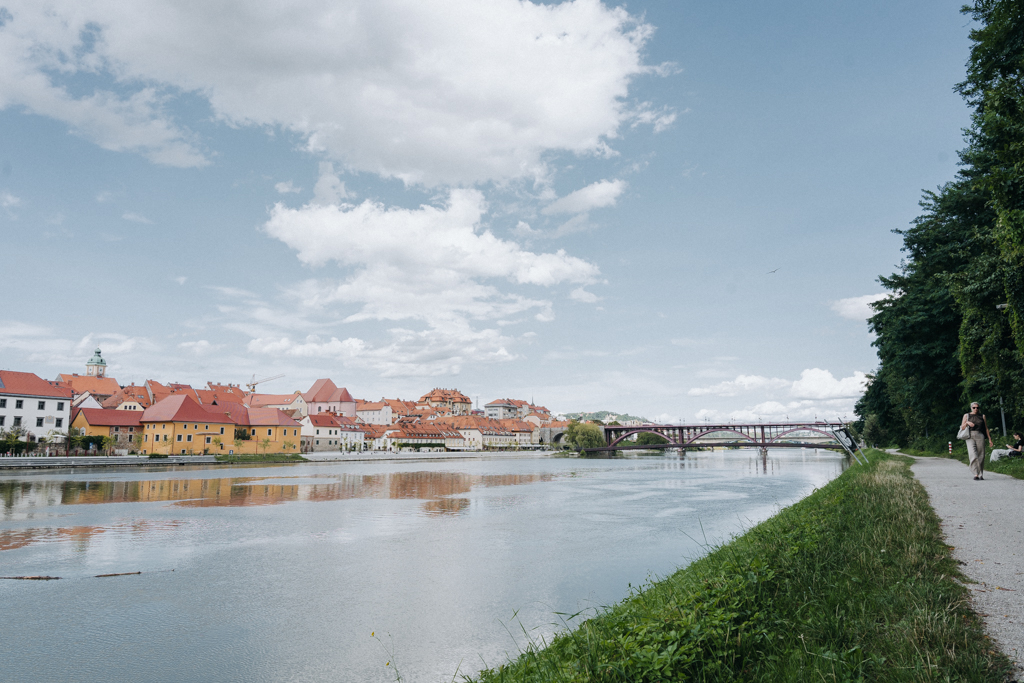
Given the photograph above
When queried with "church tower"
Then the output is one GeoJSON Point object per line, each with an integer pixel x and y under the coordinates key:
{"type": "Point", "coordinates": [96, 367]}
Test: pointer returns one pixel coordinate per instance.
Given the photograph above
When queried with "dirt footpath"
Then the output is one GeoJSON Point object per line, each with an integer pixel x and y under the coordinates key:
{"type": "Point", "coordinates": [984, 522]}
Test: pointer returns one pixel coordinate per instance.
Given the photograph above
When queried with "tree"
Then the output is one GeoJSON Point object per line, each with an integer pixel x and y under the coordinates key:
{"type": "Point", "coordinates": [265, 443]}
{"type": "Point", "coordinates": [217, 441]}
{"type": "Point", "coordinates": [650, 439]}
{"type": "Point", "coordinates": [589, 436]}
{"type": "Point", "coordinates": [288, 445]}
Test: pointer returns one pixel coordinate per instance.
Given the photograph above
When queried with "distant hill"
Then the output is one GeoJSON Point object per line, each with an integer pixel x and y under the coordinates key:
{"type": "Point", "coordinates": [604, 416]}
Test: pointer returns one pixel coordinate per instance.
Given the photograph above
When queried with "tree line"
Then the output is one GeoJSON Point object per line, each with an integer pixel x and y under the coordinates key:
{"type": "Point", "coordinates": [951, 329]}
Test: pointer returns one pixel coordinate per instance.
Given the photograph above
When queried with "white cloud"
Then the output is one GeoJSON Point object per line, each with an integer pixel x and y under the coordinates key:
{"type": "Point", "coordinates": [428, 263]}
{"type": "Point", "coordinates": [181, 279]}
{"type": "Point", "coordinates": [43, 45]}
{"type": "Point", "coordinates": [857, 307]}
{"type": "Point", "coordinates": [820, 384]}
{"type": "Point", "coordinates": [104, 197]}
{"type": "Point", "coordinates": [430, 92]}
{"type": "Point", "coordinates": [580, 294]}
{"type": "Point", "coordinates": [740, 384]}
{"type": "Point", "coordinates": [426, 353]}
{"type": "Point", "coordinates": [136, 218]}
{"type": "Point", "coordinates": [597, 195]}
{"type": "Point", "coordinates": [8, 200]}
{"type": "Point", "coordinates": [44, 345]}
{"type": "Point", "coordinates": [817, 394]}
{"type": "Point", "coordinates": [287, 187]}
{"type": "Point", "coordinates": [200, 347]}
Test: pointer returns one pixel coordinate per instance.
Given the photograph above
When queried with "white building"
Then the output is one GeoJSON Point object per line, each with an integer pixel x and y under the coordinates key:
{"type": "Point", "coordinates": [329, 432]}
{"type": "Point", "coordinates": [40, 408]}
{"type": "Point", "coordinates": [374, 413]}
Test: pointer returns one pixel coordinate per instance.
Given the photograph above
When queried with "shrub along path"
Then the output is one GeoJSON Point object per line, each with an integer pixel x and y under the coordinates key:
{"type": "Point", "coordinates": [984, 523]}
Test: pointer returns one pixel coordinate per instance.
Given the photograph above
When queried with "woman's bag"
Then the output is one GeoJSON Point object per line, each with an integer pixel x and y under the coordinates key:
{"type": "Point", "coordinates": [964, 433]}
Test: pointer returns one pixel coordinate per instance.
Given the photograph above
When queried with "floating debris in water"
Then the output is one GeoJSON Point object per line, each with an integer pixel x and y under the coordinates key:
{"type": "Point", "coordinates": [32, 578]}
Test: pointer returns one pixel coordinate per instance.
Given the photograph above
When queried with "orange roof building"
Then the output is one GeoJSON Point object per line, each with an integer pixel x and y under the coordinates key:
{"type": "Point", "coordinates": [451, 401]}
{"type": "Point", "coordinates": [30, 403]}
{"type": "Point", "coordinates": [326, 397]}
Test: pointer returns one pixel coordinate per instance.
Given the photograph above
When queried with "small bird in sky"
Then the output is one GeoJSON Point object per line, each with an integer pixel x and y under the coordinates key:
{"type": "Point", "coordinates": [773, 271]}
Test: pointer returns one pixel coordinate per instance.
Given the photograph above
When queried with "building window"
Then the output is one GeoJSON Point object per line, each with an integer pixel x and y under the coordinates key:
{"type": "Point", "coordinates": [39, 422]}
{"type": "Point", "coordinates": [183, 451]}
{"type": "Point", "coordinates": [145, 438]}
{"type": "Point", "coordinates": [19, 404]}
{"type": "Point", "coordinates": [318, 432]}
{"type": "Point", "coordinates": [2, 418]}
{"type": "Point", "coordinates": [3, 402]}
{"type": "Point", "coordinates": [208, 439]}
{"type": "Point", "coordinates": [254, 432]}
{"type": "Point", "coordinates": [221, 430]}
{"type": "Point", "coordinates": [60, 406]}
{"type": "Point", "coordinates": [189, 438]}
{"type": "Point", "coordinates": [42, 405]}
{"type": "Point", "coordinates": [179, 437]}
{"type": "Point", "coordinates": [270, 432]}
{"type": "Point", "coordinates": [117, 429]}
{"type": "Point", "coordinates": [17, 422]}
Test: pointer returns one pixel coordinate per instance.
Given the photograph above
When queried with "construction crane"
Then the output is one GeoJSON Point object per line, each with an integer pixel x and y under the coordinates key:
{"type": "Point", "coordinates": [254, 382]}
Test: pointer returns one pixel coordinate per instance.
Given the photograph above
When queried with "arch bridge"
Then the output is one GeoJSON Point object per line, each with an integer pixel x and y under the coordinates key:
{"type": "Point", "coordinates": [761, 435]}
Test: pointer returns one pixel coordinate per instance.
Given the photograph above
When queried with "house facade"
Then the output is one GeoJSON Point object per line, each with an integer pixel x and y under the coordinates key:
{"type": "Point", "coordinates": [40, 409]}
{"type": "Point", "coordinates": [120, 425]}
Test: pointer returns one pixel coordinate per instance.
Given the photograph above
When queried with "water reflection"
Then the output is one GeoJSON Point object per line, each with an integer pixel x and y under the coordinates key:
{"type": "Point", "coordinates": [438, 489]}
{"type": "Point", "coordinates": [79, 536]}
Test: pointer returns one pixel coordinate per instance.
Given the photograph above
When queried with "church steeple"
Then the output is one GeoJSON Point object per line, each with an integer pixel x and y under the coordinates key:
{"type": "Point", "coordinates": [96, 367]}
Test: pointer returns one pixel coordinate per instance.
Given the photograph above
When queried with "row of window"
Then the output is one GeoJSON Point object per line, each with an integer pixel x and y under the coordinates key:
{"type": "Point", "coordinates": [39, 421]}
{"type": "Point", "coordinates": [270, 432]}
{"type": "Point", "coordinates": [19, 404]}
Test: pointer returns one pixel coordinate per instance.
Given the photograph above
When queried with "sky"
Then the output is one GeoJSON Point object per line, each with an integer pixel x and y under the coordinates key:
{"type": "Point", "coordinates": [667, 208]}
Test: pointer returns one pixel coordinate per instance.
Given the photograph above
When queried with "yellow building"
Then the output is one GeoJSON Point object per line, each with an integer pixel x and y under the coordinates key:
{"type": "Point", "coordinates": [178, 425]}
{"type": "Point", "coordinates": [122, 426]}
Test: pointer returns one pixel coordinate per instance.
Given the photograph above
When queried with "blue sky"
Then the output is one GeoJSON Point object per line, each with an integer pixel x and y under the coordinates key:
{"type": "Point", "coordinates": [575, 202]}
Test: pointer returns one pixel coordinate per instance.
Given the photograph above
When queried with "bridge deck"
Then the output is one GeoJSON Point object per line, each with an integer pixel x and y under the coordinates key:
{"type": "Point", "coordinates": [761, 435]}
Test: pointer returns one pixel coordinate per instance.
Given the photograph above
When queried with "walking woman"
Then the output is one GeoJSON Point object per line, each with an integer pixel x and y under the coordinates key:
{"type": "Point", "coordinates": [976, 443]}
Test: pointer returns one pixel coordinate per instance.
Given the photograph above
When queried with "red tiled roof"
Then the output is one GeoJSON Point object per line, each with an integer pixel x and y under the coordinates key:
{"type": "Point", "coordinates": [183, 408]}
{"type": "Point", "coordinates": [323, 420]}
{"type": "Point", "coordinates": [30, 384]}
{"type": "Point", "coordinates": [97, 386]}
{"type": "Point", "coordinates": [128, 393]}
{"type": "Point", "coordinates": [108, 418]}
{"type": "Point", "coordinates": [270, 417]}
{"type": "Point", "coordinates": [326, 391]}
{"type": "Point", "coordinates": [262, 400]}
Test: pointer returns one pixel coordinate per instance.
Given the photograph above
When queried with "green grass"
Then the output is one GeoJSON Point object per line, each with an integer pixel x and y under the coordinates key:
{"type": "Point", "coordinates": [854, 583]}
{"type": "Point", "coordinates": [268, 457]}
{"type": "Point", "coordinates": [936, 448]}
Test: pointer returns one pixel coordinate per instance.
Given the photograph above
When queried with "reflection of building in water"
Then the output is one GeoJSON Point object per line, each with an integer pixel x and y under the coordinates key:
{"type": "Point", "coordinates": [434, 487]}
{"type": "Point", "coordinates": [81, 536]}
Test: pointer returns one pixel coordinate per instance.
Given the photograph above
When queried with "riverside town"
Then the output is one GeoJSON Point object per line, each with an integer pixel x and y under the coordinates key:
{"type": "Point", "coordinates": [91, 411]}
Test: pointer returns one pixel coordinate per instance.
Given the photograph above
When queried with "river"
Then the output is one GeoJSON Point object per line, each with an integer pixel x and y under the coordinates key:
{"type": "Point", "coordinates": [281, 573]}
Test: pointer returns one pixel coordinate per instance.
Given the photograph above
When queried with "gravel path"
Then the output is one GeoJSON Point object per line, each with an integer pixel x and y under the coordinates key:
{"type": "Point", "coordinates": [983, 522]}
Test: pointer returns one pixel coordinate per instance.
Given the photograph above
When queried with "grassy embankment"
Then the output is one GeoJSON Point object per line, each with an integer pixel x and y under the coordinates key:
{"type": "Point", "coordinates": [267, 457]}
{"type": "Point", "coordinates": [853, 583]}
{"type": "Point", "coordinates": [939, 448]}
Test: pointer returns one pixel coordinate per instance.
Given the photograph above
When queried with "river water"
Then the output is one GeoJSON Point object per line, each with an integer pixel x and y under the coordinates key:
{"type": "Point", "coordinates": [281, 573]}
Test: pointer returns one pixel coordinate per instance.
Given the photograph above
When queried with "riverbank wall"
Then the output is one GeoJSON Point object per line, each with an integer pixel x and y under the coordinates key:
{"type": "Point", "coordinates": [20, 463]}
{"type": "Point", "coordinates": [854, 582]}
